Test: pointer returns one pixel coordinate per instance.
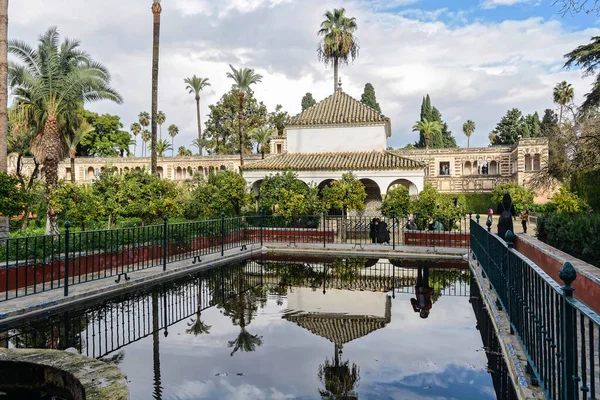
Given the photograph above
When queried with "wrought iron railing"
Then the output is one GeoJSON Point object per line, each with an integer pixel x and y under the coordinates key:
{"type": "Point", "coordinates": [560, 335]}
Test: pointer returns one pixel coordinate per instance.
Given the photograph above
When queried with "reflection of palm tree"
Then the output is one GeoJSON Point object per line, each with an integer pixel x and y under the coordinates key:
{"type": "Point", "coordinates": [156, 348]}
{"type": "Point", "coordinates": [338, 377]}
{"type": "Point", "coordinates": [197, 327]}
{"type": "Point", "coordinates": [245, 342]}
{"type": "Point", "coordinates": [241, 309]}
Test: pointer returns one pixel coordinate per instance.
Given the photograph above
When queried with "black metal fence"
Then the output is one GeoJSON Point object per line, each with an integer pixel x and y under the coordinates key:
{"type": "Point", "coordinates": [30, 265]}
{"type": "Point", "coordinates": [560, 335]}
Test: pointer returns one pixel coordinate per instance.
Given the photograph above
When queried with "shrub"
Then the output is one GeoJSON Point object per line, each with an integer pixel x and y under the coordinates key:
{"type": "Point", "coordinates": [585, 184]}
{"type": "Point", "coordinates": [477, 203]}
{"type": "Point", "coordinates": [397, 201]}
{"type": "Point", "coordinates": [567, 202]}
{"type": "Point", "coordinates": [543, 208]}
{"type": "Point", "coordinates": [575, 234]}
{"type": "Point", "coordinates": [522, 197]}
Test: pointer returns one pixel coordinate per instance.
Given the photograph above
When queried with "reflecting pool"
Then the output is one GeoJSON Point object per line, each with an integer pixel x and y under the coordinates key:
{"type": "Point", "coordinates": [278, 328]}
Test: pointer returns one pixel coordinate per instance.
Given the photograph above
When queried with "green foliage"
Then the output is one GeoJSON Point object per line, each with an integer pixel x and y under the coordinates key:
{"type": "Point", "coordinates": [575, 234]}
{"type": "Point", "coordinates": [282, 194]}
{"type": "Point", "coordinates": [534, 125]}
{"type": "Point", "coordinates": [522, 197]}
{"type": "Point", "coordinates": [339, 43]}
{"type": "Point", "coordinates": [108, 139]}
{"type": "Point", "coordinates": [549, 122]}
{"type": "Point", "coordinates": [368, 97]}
{"type": "Point", "coordinates": [431, 131]}
{"type": "Point", "coordinates": [568, 202]}
{"type": "Point", "coordinates": [396, 201]}
{"type": "Point", "coordinates": [478, 203]}
{"type": "Point", "coordinates": [13, 197]}
{"type": "Point", "coordinates": [277, 119]}
{"type": "Point", "coordinates": [221, 130]}
{"type": "Point", "coordinates": [431, 204]}
{"type": "Point", "coordinates": [586, 184]}
{"type": "Point", "coordinates": [437, 140]}
{"type": "Point", "coordinates": [308, 101]}
{"type": "Point", "coordinates": [543, 208]}
{"type": "Point", "coordinates": [509, 128]}
{"type": "Point", "coordinates": [347, 193]}
{"type": "Point", "coordinates": [78, 204]}
{"type": "Point", "coordinates": [224, 191]}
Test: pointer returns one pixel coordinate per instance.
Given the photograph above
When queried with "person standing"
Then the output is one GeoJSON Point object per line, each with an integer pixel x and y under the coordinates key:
{"type": "Point", "coordinates": [490, 213]}
{"type": "Point", "coordinates": [373, 230]}
{"type": "Point", "coordinates": [422, 303]}
{"type": "Point", "coordinates": [507, 213]}
{"type": "Point", "coordinates": [525, 219]}
{"type": "Point", "coordinates": [383, 235]}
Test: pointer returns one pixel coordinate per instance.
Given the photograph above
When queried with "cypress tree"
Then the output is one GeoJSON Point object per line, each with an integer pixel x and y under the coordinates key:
{"type": "Point", "coordinates": [308, 101]}
{"type": "Point", "coordinates": [368, 97]}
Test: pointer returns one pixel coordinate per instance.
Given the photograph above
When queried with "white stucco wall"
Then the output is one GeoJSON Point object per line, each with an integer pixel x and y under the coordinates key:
{"type": "Point", "coordinates": [336, 139]}
{"type": "Point", "coordinates": [306, 300]}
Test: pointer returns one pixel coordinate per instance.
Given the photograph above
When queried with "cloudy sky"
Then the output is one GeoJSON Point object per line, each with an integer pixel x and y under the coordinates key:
{"type": "Point", "coordinates": [476, 58]}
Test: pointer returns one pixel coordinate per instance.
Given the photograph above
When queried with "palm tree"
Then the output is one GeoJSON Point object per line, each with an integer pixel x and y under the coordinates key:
{"type": "Point", "coordinates": [428, 128]}
{"type": "Point", "coordinates": [156, 10]}
{"type": "Point", "coordinates": [144, 119]}
{"type": "Point", "coordinates": [183, 151]}
{"type": "Point", "coordinates": [262, 135]}
{"type": "Point", "coordinates": [52, 82]}
{"type": "Point", "coordinates": [198, 144]}
{"type": "Point", "coordinates": [3, 101]}
{"type": "Point", "coordinates": [563, 95]}
{"type": "Point", "coordinates": [243, 78]}
{"type": "Point", "coordinates": [195, 86]}
{"type": "Point", "coordinates": [146, 135]}
{"type": "Point", "coordinates": [135, 129]}
{"type": "Point", "coordinates": [163, 146]}
{"type": "Point", "coordinates": [173, 131]}
{"type": "Point", "coordinates": [73, 140]}
{"type": "Point", "coordinates": [338, 44]}
{"type": "Point", "coordinates": [160, 119]}
{"type": "Point", "coordinates": [468, 129]}
{"type": "Point", "coordinates": [338, 377]}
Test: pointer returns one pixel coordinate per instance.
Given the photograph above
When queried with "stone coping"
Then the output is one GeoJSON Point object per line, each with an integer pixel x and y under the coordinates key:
{"type": "Point", "coordinates": [587, 270]}
{"type": "Point", "coordinates": [100, 380]}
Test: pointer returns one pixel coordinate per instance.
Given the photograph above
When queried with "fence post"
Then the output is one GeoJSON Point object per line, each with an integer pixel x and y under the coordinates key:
{"type": "Point", "coordinates": [489, 224]}
{"type": "Point", "coordinates": [261, 227]}
{"type": "Point", "coordinates": [67, 231]}
{"type": "Point", "coordinates": [393, 230]}
{"type": "Point", "coordinates": [222, 233]}
{"type": "Point", "coordinates": [568, 274]}
{"type": "Point", "coordinates": [324, 231]}
{"type": "Point", "coordinates": [165, 219]}
{"type": "Point", "coordinates": [477, 218]}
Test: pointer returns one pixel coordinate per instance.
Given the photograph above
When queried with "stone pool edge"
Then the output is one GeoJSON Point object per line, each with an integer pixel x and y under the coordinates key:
{"type": "Point", "coordinates": [512, 351]}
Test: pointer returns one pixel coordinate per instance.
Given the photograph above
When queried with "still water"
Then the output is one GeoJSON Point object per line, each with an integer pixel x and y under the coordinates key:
{"type": "Point", "coordinates": [277, 328]}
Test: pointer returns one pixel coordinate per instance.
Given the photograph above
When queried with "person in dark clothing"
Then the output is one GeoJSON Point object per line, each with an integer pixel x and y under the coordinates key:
{"type": "Point", "coordinates": [373, 230]}
{"type": "Point", "coordinates": [383, 235]}
{"type": "Point", "coordinates": [422, 303]}
{"type": "Point", "coordinates": [506, 210]}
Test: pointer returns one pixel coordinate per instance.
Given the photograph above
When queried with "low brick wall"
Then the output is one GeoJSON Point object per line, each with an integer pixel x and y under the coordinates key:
{"type": "Point", "coordinates": [549, 259]}
{"type": "Point", "coordinates": [300, 235]}
{"type": "Point", "coordinates": [437, 239]}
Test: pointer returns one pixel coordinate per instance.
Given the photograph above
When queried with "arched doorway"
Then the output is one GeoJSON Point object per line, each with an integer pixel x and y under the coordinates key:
{"type": "Point", "coordinates": [412, 188]}
{"type": "Point", "coordinates": [179, 173]}
{"type": "Point", "coordinates": [493, 168]}
{"type": "Point", "coordinates": [373, 200]}
{"type": "Point", "coordinates": [90, 173]}
{"type": "Point", "coordinates": [467, 168]}
{"type": "Point", "coordinates": [159, 171]}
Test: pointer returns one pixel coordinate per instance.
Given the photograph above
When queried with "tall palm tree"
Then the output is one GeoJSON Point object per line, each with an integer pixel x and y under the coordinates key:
{"type": "Point", "coordinates": [73, 140]}
{"type": "Point", "coordinates": [195, 86]}
{"type": "Point", "coordinates": [173, 131]}
{"type": "Point", "coordinates": [182, 151]}
{"type": "Point", "coordinates": [198, 144]}
{"type": "Point", "coordinates": [157, 382]}
{"type": "Point", "coordinates": [52, 82]}
{"type": "Point", "coordinates": [162, 146]}
{"type": "Point", "coordinates": [144, 119]}
{"type": "Point", "coordinates": [262, 135]}
{"type": "Point", "coordinates": [160, 119]}
{"type": "Point", "coordinates": [3, 101]}
{"type": "Point", "coordinates": [146, 136]}
{"type": "Point", "coordinates": [156, 10]}
{"type": "Point", "coordinates": [428, 128]}
{"type": "Point", "coordinates": [338, 43]}
{"type": "Point", "coordinates": [563, 95]}
{"type": "Point", "coordinates": [242, 78]}
{"type": "Point", "coordinates": [468, 129]}
{"type": "Point", "coordinates": [135, 129]}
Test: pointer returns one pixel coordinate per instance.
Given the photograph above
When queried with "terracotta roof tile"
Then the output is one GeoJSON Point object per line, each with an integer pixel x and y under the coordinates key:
{"type": "Point", "coordinates": [335, 161]}
{"type": "Point", "coordinates": [339, 108]}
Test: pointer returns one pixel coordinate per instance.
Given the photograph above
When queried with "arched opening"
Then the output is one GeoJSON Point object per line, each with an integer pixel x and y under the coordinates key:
{"type": "Point", "coordinates": [321, 186]}
{"type": "Point", "coordinates": [412, 188]}
{"type": "Point", "coordinates": [467, 168]}
{"type": "Point", "coordinates": [493, 168]}
{"type": "Point", "coordinates": [126, 170]}
{"type": "Point", "coordinates": [90, 173]}
{"type": "Point", "coordinates": [528, 163]}
{"type": "Point", "coordinates": [324, 183]}
{"type": "Point", "coordinates": [138, 169]}
{"type": "Point", "coordinates": [373, 200]}
{"type": "Point", "coordinates": [256, 193]}
{"type": "Point", "coordinates": [537, 162]}
{"type": "Point", "coordinates": [223, 168]}
{"type": "Point", "coordinates": [178, 173]}
{"type": "Point", "coordinates": [159, 171]}
{"type": "Point", "coordinates": [211, 170]}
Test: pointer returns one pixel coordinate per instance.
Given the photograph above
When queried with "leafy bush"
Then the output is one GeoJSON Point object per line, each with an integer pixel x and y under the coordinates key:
{"type": "Point", "coordinates": [585, 184]}
{"type": "Point", "coordinates": [522, 197]}
{"type": "Point", "coordinates": [13, 198]}
{"type": "Point", "coordinates": [225, 191]}
{"type": "Point", "coordinates": [575, 234]}
{"type": "Point", "coordinates": [477, 203]}
{"type": "Point", "coordinates": [567, 202]}
{"type": "Point", "coordinates": [396, 201]}
{"type": "Point", "coordinates": [543, 208]}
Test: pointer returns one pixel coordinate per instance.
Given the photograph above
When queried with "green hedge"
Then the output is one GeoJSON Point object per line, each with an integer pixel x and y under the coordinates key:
{"type": "Point", "coordinates": [577, 235]}
{"type": "Point", "coordinates": [476, 202]}
{"type": "Point", "coordinates": [586, 185]}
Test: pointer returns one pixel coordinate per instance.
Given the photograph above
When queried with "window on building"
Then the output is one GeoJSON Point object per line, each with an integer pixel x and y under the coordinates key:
{"type": "Point", "coordinates": [279, 149]}
{"type": "Point", "coordinates": [528, 162]}
{"type": "Point", "coordinates": [444, 168]}
{"type": "Point", "coordinates": [537, 163]}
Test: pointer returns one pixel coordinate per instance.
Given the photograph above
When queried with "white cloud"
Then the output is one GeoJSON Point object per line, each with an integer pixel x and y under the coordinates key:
{"type": "Point", "coordinates": [472, 71]}
{"type": "Point", "coordinates": [496, 3]}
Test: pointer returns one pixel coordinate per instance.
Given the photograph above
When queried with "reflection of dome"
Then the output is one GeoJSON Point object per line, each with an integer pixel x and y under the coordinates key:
{"type": "Point", "coordinates": [341, 316]}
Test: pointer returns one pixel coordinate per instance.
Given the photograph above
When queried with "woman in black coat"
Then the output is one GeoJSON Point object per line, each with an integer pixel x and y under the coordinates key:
{"type": "Point", "coordinates": [506, 211]}
{"type": "Point", "coordinates": [383, 235]}
{"type": "Point", "coordinates": [373, 230]}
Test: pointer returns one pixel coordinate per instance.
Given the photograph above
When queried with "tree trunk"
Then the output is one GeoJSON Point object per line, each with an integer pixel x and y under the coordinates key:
{"type": "Point", "coordinates": [240, 115]}
{"type": "Point", "coordinates": [468, 142]}
{"type": "Point", "coordinates": [52, 141]}
{"type": "Point", "coordinates": [3, 101]}
{"type": "Point", "coordinates": [560, 117]}
{"type": "Point", "coordinates": [156, 348]}
{"type": "Point", "coordinates": [335, 74]}
{"type": "Point", "coordinates": [172, 146]}
{"type": "Point", "coordinates": [155, 47]}
{"type": "Point", "coordinates": [25, 219]}
{"type": "Point", "coordinates": [262, 152]}
{"type": "Point", "coordinates": [426, 142]}
{"type": "Point", "coordinates": [72, 168]}
{"type": "Point", "coordinates": [199, 125]}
